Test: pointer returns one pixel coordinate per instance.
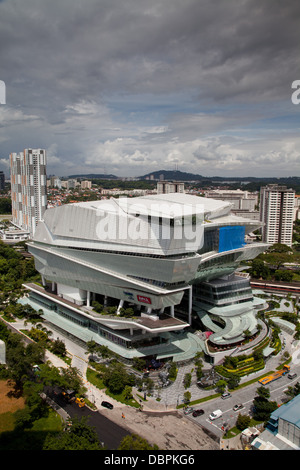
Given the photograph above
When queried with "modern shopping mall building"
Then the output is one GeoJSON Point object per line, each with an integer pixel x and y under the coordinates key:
{"type": "Point", "coordinates": [172, 258]}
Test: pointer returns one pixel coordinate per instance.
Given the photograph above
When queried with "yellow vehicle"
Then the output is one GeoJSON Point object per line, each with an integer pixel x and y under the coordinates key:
{"type": "Point", "coordinates": [80, 402]}
{"type": "Point", "coordinates": [69, 395]}
{"type": "Point", "coordinates": [270, 378]}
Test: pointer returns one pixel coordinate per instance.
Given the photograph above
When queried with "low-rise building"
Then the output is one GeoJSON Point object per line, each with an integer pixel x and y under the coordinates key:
{"type": "Point", "coordinates": [283, 429]}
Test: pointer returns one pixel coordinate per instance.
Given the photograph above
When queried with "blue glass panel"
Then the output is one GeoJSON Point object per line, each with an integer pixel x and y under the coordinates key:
{"type": "Point", "coordinates": [231, 238]}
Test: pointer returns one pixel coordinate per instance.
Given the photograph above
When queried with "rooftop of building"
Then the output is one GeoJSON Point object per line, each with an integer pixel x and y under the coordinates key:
{"type": "Point", "coordinates": [159, 204]}
{"type": "Point", "coordinates": [289, 412]}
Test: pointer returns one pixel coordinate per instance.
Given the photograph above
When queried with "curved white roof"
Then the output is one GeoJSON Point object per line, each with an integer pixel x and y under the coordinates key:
{"type": "Point", "coordinates": [157, 204]}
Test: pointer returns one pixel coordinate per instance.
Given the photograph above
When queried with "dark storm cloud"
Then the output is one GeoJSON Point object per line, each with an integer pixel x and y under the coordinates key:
{"type": "Point", "coordinates": [73, 64]}
{"type": "Point", "coordinates": [82, 49]}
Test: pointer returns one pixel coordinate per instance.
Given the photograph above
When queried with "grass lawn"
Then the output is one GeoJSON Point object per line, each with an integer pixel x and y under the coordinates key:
{"type": "Point", "coordinates": [51, 423]}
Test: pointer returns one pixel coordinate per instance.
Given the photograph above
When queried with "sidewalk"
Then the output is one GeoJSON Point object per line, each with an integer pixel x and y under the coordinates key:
{"type": "Point", "coordinates": [231, 444]}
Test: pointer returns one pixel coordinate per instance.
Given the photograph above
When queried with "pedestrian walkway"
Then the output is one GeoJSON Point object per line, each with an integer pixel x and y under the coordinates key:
{"type": "Point", "coordinates": [80, 364]}
{"type": "Point", "coordinates": [234, 443]}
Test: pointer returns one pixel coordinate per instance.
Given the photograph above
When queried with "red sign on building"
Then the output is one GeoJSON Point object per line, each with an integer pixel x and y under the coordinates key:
{"type": "Point", "coordinates": [145, 300]}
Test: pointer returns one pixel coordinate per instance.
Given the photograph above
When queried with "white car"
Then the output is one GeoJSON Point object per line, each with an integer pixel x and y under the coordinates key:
{"type": "Point", "coordinates": [215, 414]}
{"type": "Point", "coordinates": [225, 395]}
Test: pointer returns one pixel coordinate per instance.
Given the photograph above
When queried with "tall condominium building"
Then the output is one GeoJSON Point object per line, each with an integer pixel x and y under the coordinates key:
{"type": "Point", "coordinates": [277, 213]}
{"type": "Point", "coordinates": [86, 184]}
{"type": "Point", "coordinates": [28, 188]}
{"type": "Point", "coordinates": [2, 181]}
{"type": "Point", "coordinates": [167, 187]}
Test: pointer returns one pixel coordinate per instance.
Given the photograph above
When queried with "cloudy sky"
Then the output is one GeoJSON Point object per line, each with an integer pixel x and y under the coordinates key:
{"type": "Point", "coordinates": [133, 86]}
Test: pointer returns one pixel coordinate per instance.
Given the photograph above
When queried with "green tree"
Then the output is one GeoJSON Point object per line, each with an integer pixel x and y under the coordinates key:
{"type": "Point", "coordinates": [104, 351]}
{"type": "Point", "coordinates": [80, 436]}
{"type": "Point", "coordinates": [187, 396]}
{"type": "Point", "coordinates": [279, 248]}
{"type": "Point", "coordinates": [97, 306]}
{"type": "Point", "coordinates": [221, 385]}
{"type": "Point", "coordinates": [263, 392]}
{"type": "Point", "coordinates": [262, 406]}
{"type": "Point", "coordinates": [259, 269]}
{"type": "Point", "coordinates": [50, 375]}
{"type": "Point", "coordinates": [92, 347]}
{"type": "Point", "coordinates": [242, 421]}
{"type": "Point", "coordinates": [297, 331]}
{"type": "Point", "coordinates": [135, 442]}
{"type": "Point", "coordinates": [127, 392]}
{"type": "Point", "coordinates": [127, 312]}
{"type": "Point", "coordinates": [233, 381]}
{"type": "Point", "coordinates": [187, 380]}
{"type": "Point", "coordinates": [18, 361]}
{"type": "Point", "coordinates": [139, 363]}
{"type": "Point", "coordinates": [247, 334]}
{"type": "Point", "coordinates": [69, 379]}
{"type": "Point", "coordinates": [199, 365]}
{"type": "Point", "coordinates": [292, 392]}
{"type": "Point", "coordinates": [116, 378]}
{"type": "Point", "coordinates": [58, 347]}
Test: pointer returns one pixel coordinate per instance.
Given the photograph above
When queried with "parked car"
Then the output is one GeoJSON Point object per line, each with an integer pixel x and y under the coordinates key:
{"type": "Point", "coordinates": [292, 376]}
{"type": "Point", "coordinates": [226, 395]}
{"type": "Point", "coordinates": [188, 410]}
{"type": "Point", "coordinates": [238, 407]}
{"type": "Point", "coordinates": [215, 414]}
{"type": "Point", "coordinates": [108, 405]}
{"type": "Point", "coordinates": [198, 413]}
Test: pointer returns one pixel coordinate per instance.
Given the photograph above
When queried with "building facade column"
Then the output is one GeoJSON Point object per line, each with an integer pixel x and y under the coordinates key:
{"type": "Point", "coordinates": [120, 306]}
{"type": "Point", "coordinates": [190, 304]}
{"type": "Point", "coordinates": [172, 311]}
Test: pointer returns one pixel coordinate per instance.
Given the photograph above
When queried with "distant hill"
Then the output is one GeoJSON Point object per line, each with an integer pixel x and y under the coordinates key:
{"type": "Point", "coordinates": [174, 175]}
{"type": "Point", "coordinates": [96, 176]}
{"type": "Point", "coordinates": [252, 183]}
{"type": "Point", "coordinates": [177, 175]}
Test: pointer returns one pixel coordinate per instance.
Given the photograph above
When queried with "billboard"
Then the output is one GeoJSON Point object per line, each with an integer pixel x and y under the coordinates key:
{"type": "Point", "coordinates": [145, 300]}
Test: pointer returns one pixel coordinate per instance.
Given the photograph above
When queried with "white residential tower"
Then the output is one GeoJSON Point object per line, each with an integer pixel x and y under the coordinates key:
{"type": "Point", "coordinates": [28, 188]}
{"type": "Point", "coordinates": [277, 213]}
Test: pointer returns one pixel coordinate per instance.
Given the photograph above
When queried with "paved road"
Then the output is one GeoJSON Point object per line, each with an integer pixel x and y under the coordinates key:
{"type": "Point", "coordinates": [109, 433]}
{"type": "Point", "coordinates": [244, 396]}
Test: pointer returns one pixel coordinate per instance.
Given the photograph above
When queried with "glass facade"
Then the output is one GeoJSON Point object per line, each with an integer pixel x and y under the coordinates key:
{"type": "Point", "coordinates": [222, 239]}
{"type": "Point", "coordinates": [231, 238]}
{"type": "Point", "coordinates": [224, 293]}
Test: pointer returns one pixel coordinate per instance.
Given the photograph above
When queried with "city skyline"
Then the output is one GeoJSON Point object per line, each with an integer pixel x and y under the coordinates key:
{"type": "Point", "coordinates": [127, 88]}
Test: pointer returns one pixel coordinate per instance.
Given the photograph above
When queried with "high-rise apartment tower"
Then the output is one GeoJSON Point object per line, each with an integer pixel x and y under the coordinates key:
{"type": "Point", "coordinates": [28, 188]}
{"type": "Point", "coordinates": [167, 187]}
{"type": "Point", "coordinates": [277, 213]}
